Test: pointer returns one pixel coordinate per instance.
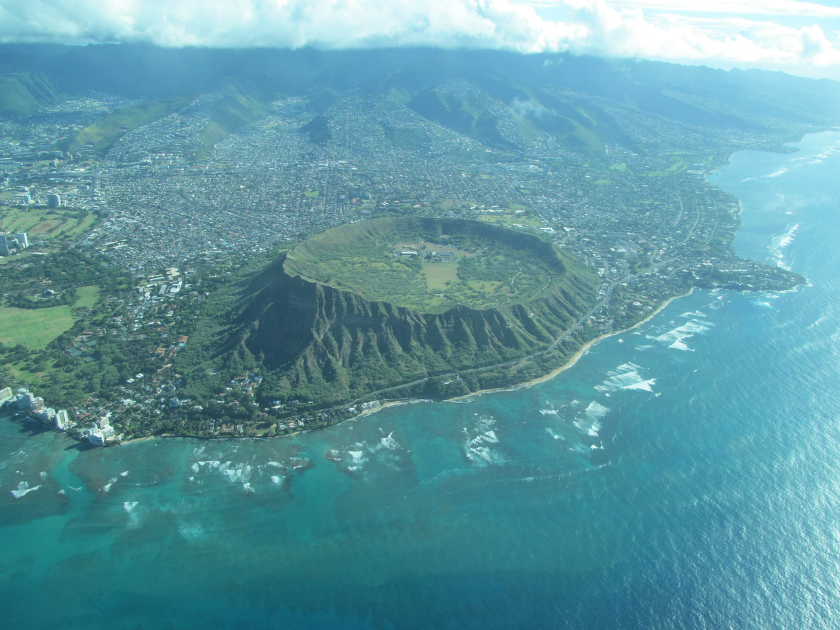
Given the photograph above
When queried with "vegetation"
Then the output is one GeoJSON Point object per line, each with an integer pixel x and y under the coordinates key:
{"type": "Point", "coordinates": [50, 300]}
{"type": "Point", "coordinates": [42, 282]}
{"type": "Point", "coordinates": [49, 224]}
{"type": "Point", "coordinates": [34, 329]}
{"type": "Point", "coordinates": [405, 137]}
{"type": "Point", "coordinates": [466, 114]}
{"type": "Point", "coordinates": [23, 94]}
{"type": "Point", "coordinates": [230, 113]}
{"type": "Point", "coordinates": [298, 322]}
{"type": "Point", "coordinates": [105, 132]}
{"type": "Point", "coordinates": [431, 265]}
{"type": "Point", "coordinates": [317, 130]}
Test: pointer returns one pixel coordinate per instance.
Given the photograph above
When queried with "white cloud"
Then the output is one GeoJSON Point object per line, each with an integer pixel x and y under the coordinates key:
{"type": "Point", "coordinates": [728, 7]}
{"type": "Point", "coordinates": [586, 26]}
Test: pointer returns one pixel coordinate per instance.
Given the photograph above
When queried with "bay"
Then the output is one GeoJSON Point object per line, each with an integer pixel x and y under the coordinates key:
{"type": "Point", "coordinates": [684, 474]}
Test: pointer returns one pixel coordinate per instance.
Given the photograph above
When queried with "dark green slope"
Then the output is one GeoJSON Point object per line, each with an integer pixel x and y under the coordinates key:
{"type": "Point", "coordinates": [466, 115]}
{"type": "Point", "coordinates": [697, 96]}
{"type": "Point", "coordinates": [317, 130]}
{"type": "Point", "coordinates": [236, 109]}
{"type": "Point", "coordinates": [24, 94]}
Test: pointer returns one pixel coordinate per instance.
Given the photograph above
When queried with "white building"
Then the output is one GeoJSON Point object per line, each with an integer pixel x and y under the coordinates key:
{"type": "Point", "coordinates": [25, 399]}
{"type": "Point", "coordinates": [62, 421]}
{"type": "Point", "coordinates": [23, 241]}
{"type": "Point", "coordinates": [102, 434]}
{"type": "Point", "coordinates": [46, 415]}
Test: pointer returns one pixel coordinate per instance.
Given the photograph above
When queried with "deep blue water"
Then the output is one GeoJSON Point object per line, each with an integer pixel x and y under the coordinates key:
{"type": "Point", "coordinates": [682, 475]}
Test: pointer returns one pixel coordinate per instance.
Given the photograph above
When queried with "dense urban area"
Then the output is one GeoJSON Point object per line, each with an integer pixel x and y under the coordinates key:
{"type": "Point", "coordinates": [113, 247]}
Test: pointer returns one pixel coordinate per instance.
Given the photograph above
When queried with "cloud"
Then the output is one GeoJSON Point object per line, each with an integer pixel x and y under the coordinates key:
{"type": "Point", "coordinates": [530, 109]}
{"type": "Point", "coordinates": [728, 7]}
{"type": "Point", "coordinates": [586, 26]}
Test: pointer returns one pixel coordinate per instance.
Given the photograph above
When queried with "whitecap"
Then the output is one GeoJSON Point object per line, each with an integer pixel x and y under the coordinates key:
{"type": "Point", "coordinates": [490, 436]}
{"type": "Point", "coordinates": [548, 412]}
{"type": "Point", "coordinates": [484, 454]}
{"type": "Point", "coordinates": [124, 474]}
{"type": "Point", "coordinates": [818, 322]}
{"type": "Point", "coordinates": [22, 490]}
{"type": "Point", "coordinates": [128, 506]}
{"type": "Point", "coordinates": [276, 479]}
{"type": "Point", "coordinates": [247, 487]}
{"type": "Point", "coordinates": [778, 173]}
{"type": "Point", "coordinates": [43, 475]}
{"type": "Point", "coordinates": [596, 411]}
{"type": "Point", "coordinates": [779, 243]}
{"type": "Point", "coordinates": [389, 442]}
{"type": "Point", "coordinates": [674, 338]}
{"type": "Point", "coordinates": [357, 456]}
{"type": "Point", "coordinates": [643, 385]}
{"type": "Point", "coordinates": [195, 467]}
{"type": "Point", "coordinates": [556, 436]}
{"type": "Point", "coordinates": [626, 376]}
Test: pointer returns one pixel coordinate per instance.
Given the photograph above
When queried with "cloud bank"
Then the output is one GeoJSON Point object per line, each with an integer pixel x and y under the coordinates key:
{"type": "Point", "coordinates": [619, 29]}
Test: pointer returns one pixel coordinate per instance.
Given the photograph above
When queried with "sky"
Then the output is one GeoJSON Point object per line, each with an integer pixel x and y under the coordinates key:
{"type": "Point", "coordinates": [794, 36]}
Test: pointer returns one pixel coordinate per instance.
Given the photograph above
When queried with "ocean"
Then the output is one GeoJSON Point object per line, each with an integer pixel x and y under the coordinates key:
{"type": "Point", "coordinates": [685, 474]}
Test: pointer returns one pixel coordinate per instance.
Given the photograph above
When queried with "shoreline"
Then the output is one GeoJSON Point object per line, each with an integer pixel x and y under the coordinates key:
{"type": "Point", "coordinates": [458, 399]}
{"type": "Point", "coordinates": [574, 359]}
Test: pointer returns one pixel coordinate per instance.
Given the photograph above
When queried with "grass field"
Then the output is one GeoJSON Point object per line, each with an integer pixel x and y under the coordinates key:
{"type": "Point", "coordinates": [86, 297]}
{"type": "Point", "coordinates": [46, 223]}
{"type": "Point", "coordinates": [438, 274]}
{"type": "Point", "coordinates": [34, 328]}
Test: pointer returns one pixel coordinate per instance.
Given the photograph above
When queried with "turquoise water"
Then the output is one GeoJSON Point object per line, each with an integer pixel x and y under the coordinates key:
{"type": "Point", "coordinates": [682, 475]}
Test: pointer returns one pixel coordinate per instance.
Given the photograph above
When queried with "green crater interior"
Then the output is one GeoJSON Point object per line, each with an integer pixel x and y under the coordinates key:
{"type": "Point", "coordinates": [454, 262]}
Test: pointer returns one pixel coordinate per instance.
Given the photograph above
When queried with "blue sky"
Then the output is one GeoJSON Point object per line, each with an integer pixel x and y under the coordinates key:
{"type": "Point", "coordinates": [791, 35]}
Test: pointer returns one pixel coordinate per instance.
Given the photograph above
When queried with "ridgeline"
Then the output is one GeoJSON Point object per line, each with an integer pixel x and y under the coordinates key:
{"type": "Point", "coordinates": [360, 310]}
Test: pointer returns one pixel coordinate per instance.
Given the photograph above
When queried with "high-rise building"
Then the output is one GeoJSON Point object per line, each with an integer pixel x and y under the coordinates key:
{"type": "Point", "coordinates": [4, 244]}
{"type": "Point", "coordinates": [53, 200]}
{"type": "Point", "coordinates": [23, 242]}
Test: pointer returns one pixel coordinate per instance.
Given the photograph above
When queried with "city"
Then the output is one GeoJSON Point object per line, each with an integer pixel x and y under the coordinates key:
{"type": "Point", "coordinates": [181, 218]}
